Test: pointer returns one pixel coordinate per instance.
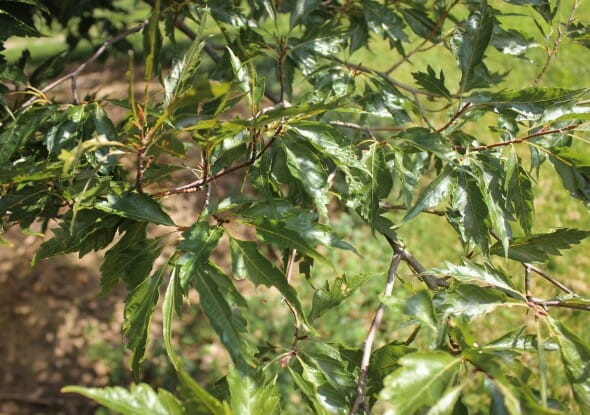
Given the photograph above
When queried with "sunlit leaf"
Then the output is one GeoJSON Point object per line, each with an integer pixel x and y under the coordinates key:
{"type": "Point", "coordinates": [135, 206]}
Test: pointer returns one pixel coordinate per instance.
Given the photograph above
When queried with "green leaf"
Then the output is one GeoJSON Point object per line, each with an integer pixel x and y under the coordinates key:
{"type": "Point", "coordinates": [139, 400]}
{"type": "Point", "coordinates": [420, 306]}
{"type": "Point", "coordinates": [380, 185]}
{"type": "Point", "coordinates": [276, 233]}
{"type": "Point", "coordinates": [540, 104]}
{"type": "Point", "coordinates": [385, 22]}
{"type": "Point", "coordinates": [250, 395]}
{"type": "Point", "coordinates": [520, 193]}
{"type": "Point", "coordinates": [331, 295]}
{"type": "Point", "coordinates": [216, 302]}
{"type": "Point", "coordinates": [248, 262]}
{"type": "Point", "coordinates": [475, 214]}
{"type": "Point", "coordinates": [422, 380]}
{"type": "Point", "coordinates": [446, 404]}
{"type": "Point", "coordinates": [574, 169]}
{"type": "Point", "coordinates": [484, 275]}
{"type": "Point", "coordinates": [437, 191]}
{"type": "Point", "coordinates": [384, 361]}
{"type": "Point", "coordinates": [242, 75]}
{"type": "Point", "coordinates": [131, 259]}
{"type": "Point", "coordinates": [504, 401]}
{"type": "Point", "coordinates": [539, 247]}
{"type": "Point", "coordinates": [471, 301]}
{"type": "Point", "coordinates": [90, 231]}
{"type": "Point", "coordinates": [469, 44]}
{"type": "Point", "coordinates": [200, 400]}
{"type": "Point", "coordinates": [431, 83]}
{"type": "Point", "coordinates": [139, 309]}
{"type": "Point", "coordinates": [310, 392]}
{"type": "Point", "coordinates": [520, 341]}
{"type": "Point", "coordinates": [575, 356]}
{"type": "Point", "coordinates": [17, 133]}
{"type": "Point", "coordinates": [135, 206]}
{"type": "Point", "coordinates": [309, 170]}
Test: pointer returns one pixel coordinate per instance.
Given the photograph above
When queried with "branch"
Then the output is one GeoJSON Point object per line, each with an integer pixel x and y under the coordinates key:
{"type": "Point", "coordinates": [418, 48]}
{"type": "Point", "coordinates": [562, 304]}
{"type": "Point", "coordinates": [431, 281]}
{"type": "Point", "coordinates": [297, 336]}
{"type": "Point", "coordinates": [540, 133]}
{"type": "Point", "coordinates": [556, 43]}
{"type": "Point", "coordinates": [387, 206]}
{"type": "Point", "coordinates": [74, 74]}
{"type": "Point", "coordinates": [368, 347]}
{"type": "Point", "coordinates": [549, 278]}
{"type": "Point", "coordinates": [455, 117]}
{"type": "Point", "coordinates": [197, 184]}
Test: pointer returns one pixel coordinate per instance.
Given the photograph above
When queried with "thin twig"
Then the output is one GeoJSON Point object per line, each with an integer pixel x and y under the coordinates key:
{"type": "Point", "coordinates": [551, 54]}
{"type": "Point", "coordinates": [73, 74]}
{"type": "Point", "coordinates": [455, 117]}
{"type": "Point", "coordinates": [297, 335]}
{"type": "Point", "coordinates": [431, 281]}
{"type": "Point", "coordinates": [418, 48]}
{"type": "Point", "coordinates": [368, 346]}
{"type": "Point", "coordinates": [388, 206]}
{"type": "Point", "coordinates": [549, 278]}
{"type": "Point", "coordinates": [562, 304]}
{"type": "Point", "coordinates": [198, 184]}
{"type": "Point", "coordinates": [527, 282]}
{"type": "Point", "coordinates": [540, 133]}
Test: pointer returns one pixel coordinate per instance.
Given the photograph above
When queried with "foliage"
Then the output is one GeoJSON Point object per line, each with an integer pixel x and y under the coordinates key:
{"type": "Point", "coordinates": [272, 96]}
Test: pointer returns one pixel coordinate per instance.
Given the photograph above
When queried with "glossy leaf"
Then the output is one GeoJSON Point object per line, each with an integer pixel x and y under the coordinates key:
{"type": "Point", "coordinates": [469, 44]}
{"type": "Point", "coordinates": [575, 355]}
{"type": "Point", "coordinates": [136, 206]}
{"type": "Point", "coordinates": [475, 214]}
{"type": "Point", "coordinates": [139, 399]}
{"type": "Point", "coordinates": [139, 309]}
{"type": "Point", "coordinates": [250, 395]}
{"type": "Point", "coordinates": [420, 381]}
{"type": "Point", "coordinates": [437, 191]}
{"type": "Point", "coordinates": [539, 247]}
{"type": "Point", "coordinates": [248, 262]}
{"type": "Point", "coordinates": [332, 294]}
{"type": "Point", "coordinates": [471, 301]}
{"type": "Point", "coordinates": [520, 193]}
{"type": "Point", "coordinates": [431, 82]}
{"type": "Point", "coordinates": [574, 169]}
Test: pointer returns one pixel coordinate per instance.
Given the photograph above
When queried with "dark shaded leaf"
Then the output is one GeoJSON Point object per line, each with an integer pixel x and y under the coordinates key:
{"type": "Point", "coordinates": [135, 206]}
{"type": "Point", "coordinates": [331, 295]}
{"type": "Point", "coordinates": [139, 309]}
{"type": "Point", "coordinates": [539, 247]}
{"type": "Point", "coordinates": [574, 169]}
{"type": "Point", "coordinates": [431, 83]}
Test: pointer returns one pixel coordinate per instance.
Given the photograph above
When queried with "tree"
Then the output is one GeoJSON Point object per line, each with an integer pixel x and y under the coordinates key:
{"type": "Point", "coordinates": [274, 93]}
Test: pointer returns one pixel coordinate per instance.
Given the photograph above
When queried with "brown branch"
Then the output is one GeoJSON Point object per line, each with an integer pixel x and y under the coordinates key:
{"type": "Point", "coordinates": [74, 74]}
{"type": "Point", "coordinates": [297, 335]}
{"type": "Point", "coordinates": [455, 117]}
{"type": "Point", "coordinates": [540, 133]}
{"type": "Point", "coordinates": [198, 184]}
{"type": "Point", "coordinates": [562, 304]}
{"type": "Point", "coordinates": [551, 54]}
{"type": "Point", "coordinates": [431, 281]}
{"type": "Point", "coordinates": [549, 278]}
{"type": "Point", "coordinates": [368, 346]}
{"type": "Point", "coordinates": [527, 283]}
{"type": "Point", "coordinates": [418, 48]}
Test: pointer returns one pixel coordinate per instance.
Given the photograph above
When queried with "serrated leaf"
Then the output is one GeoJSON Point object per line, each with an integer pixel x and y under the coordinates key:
{"type": "Point", "coordinates": [250, 395]}
{"type": "Point", "coordinates": [183, 71]}
{"type": "Point", "coordinates": [437, 191]}
{"type": "Point", "coordinates": [197, 396]}
{"type": "Point", "coordinates": [215, 301]}
{"type": "Point", "coordinates": [540, 104]}
{"type": "Point", "coordinates": [248, 262]}
{"type": "Point", "coordinates": [520, 193]}
{"type": "Point", "coordinates": [331, 295]}
{"type": "Point", "coordinates": [385, 22]}
{"type": "Point", "coordinates": [575, 356]}
{"type": "Point", "coordinates": [139, 400]}
{"type": "Point", "coordinates": [431, 83]}
{"type": "Point", "coordinates": [381, 181]}
{"type": "Point", "coordinates": [420, 381]}
{"type": "Point", "coordinates": [16, 133]}
{"type": "Point", "coordinates": [276, 233]}
{"type": "Point", "coordinates": [475, 214]}
{"type": "Point", "coordinates": [469, 44]}
{"type": "Point", "coordinates": [131, 259]}
{"type": "Point", "coordinates": [310, 392]}
{"type": "Point", "coordinates": [574, 169]}
{"type": "Point", "coordinates": [310, 172]}
{"type": "Point", "coordinates": [135, 206]}
{"type": "Point", "coordinates": [384, 361]}
{"type": "Point", "coordinates": [242, 75]}
{"type": "Point", "coordinates": [471, 301]}
{"type": "Point", "coordinates": [139, 309]}
{"type": "Point", "coordinates": [484, 275]}
{"type": "Point", "coordinates": [520, 341]}
{"type": "Point", "coordinates": [539, 247]}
